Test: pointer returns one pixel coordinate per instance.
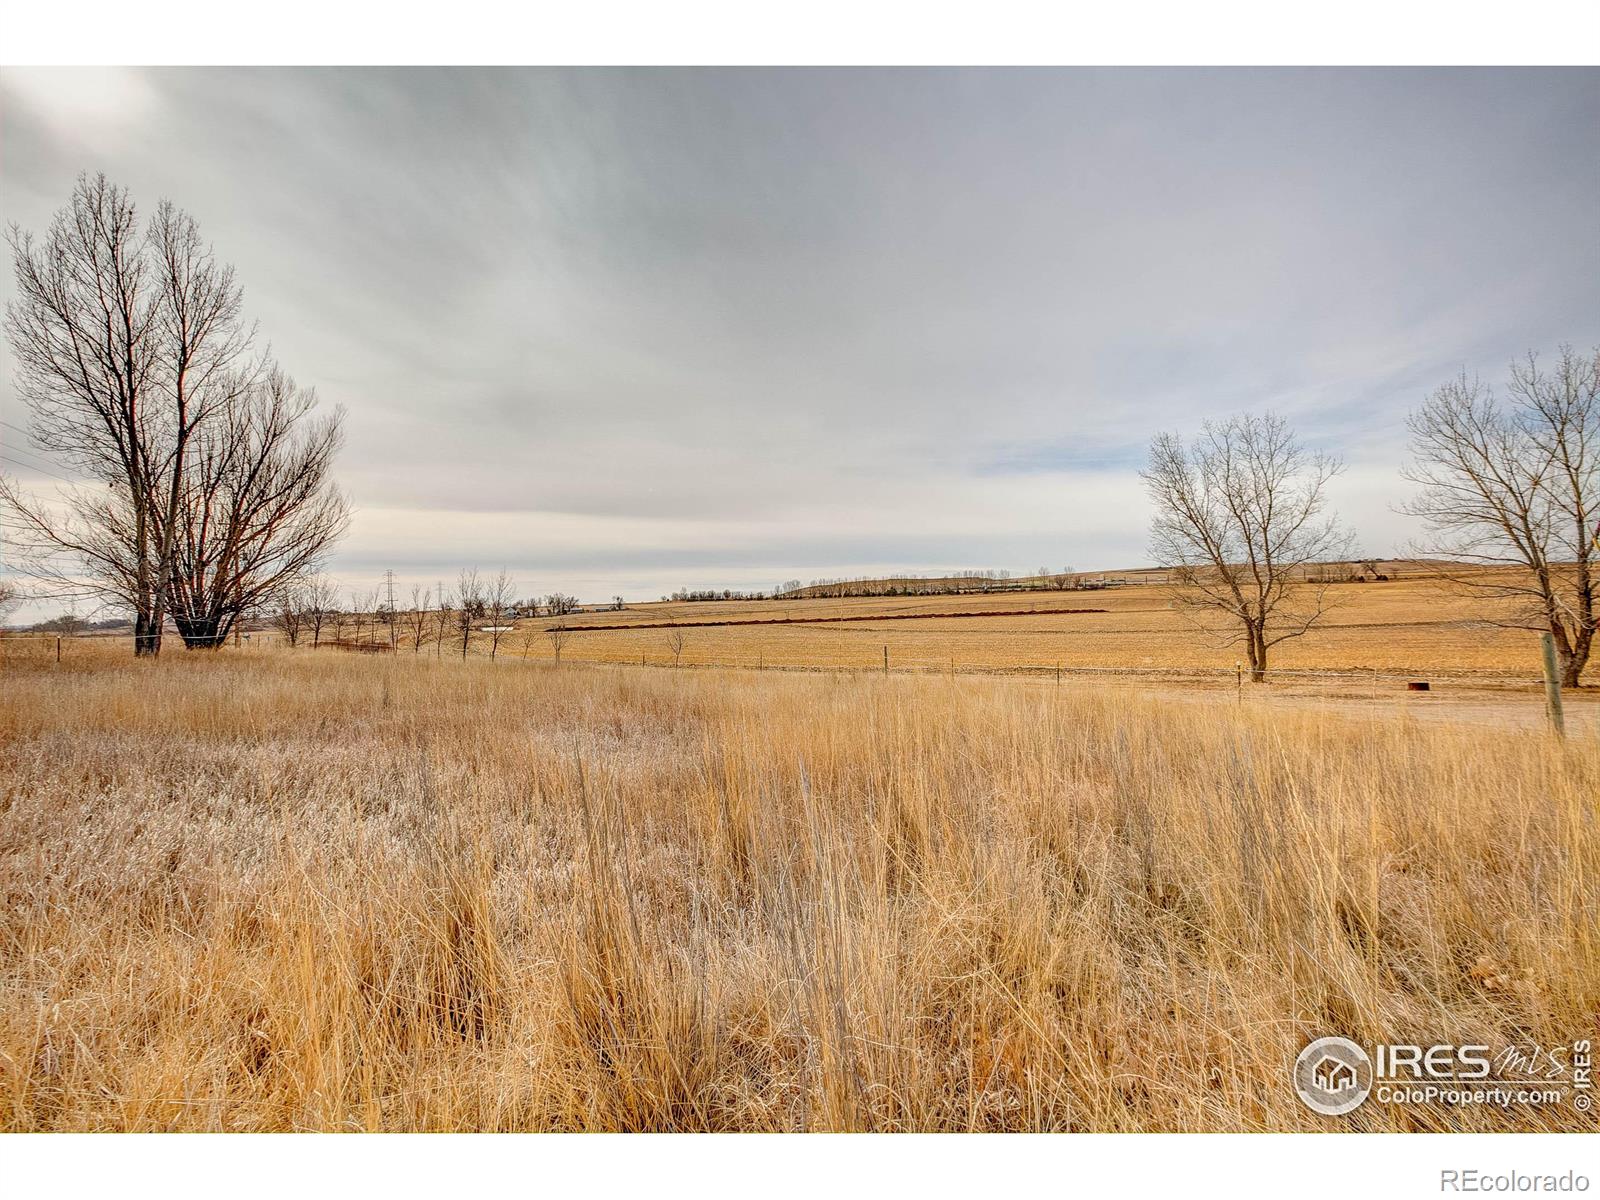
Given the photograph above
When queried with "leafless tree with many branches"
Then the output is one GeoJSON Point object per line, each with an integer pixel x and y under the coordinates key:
{"type": "Point", "coordinates": [471, 606]}
{"type": "Point", "coordinates": [290, 615]}
{"type": "Point", "coordinates": [1516, 483]}
{"type": "Point", "coordinates": [322, 602]}
{"type": "Point", "coordinates": [1240, 512]}
{"type": "Point", "coordinates": [137, 368]}
{"type": "Point", "coordinates": [417, 616]}
{"type": "Point", "coordinates": [498, 601]}
{"type": "Point", "coordinates": [10, 598]}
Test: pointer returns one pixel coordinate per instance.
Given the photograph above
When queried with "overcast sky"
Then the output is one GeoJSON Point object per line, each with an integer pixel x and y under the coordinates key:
{"type": "Point", "coordinates": [628, 330]}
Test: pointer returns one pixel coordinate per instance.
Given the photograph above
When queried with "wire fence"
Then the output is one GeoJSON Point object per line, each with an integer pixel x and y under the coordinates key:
{"type": "Point", "coordinates": [59, 648]}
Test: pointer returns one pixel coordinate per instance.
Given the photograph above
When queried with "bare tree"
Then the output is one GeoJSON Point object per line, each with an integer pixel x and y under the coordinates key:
{"type": "Point", "coordinates": [290, 615]}
{"type": "Point", "coordinates": [1239, 514]}
{"type": "Point", "coordinates": [1517, 484]}
{"type": "Point", "coordinates": [445, 613]}
{"type": "Point", "coordinates": [499, 599]}
{"type": "Point", "coordinates": [675, 644]}
{"type": "Point", "coordinates": [209, 393]}
{"type": "Point", "coordinates": [258, 512]}
{"type": "Point", "coordinates": [322, 602]}
{"type": "Point", "coordinates": [362, 606]}
{"type": "Point", "coordinates": [337, 620]}
{"type": "Point", "coordinates": [83, 331]}
{"type": "Point", "coordinates": [557, 634]}
{"type": "Point", "coordinates": [417, 617]}
{"type": "Point", "coordinates": [10, 599]}
{"type": "Point", "coordinates": [127, 344]}
{"type": "Point", "coordinates": [470, 591]}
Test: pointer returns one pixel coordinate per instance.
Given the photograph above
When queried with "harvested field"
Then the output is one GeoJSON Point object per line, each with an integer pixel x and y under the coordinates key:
{"type": "Point", "coordinates": [1410, 625]}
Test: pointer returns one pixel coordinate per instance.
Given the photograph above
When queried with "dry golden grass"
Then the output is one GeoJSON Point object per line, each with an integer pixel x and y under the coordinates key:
{"type": "Point", "coordinates": [266, 891]}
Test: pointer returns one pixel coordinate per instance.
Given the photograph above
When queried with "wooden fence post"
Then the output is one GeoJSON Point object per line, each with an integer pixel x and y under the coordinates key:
{"type": "Point", "coordinates": [886, 660]}
{"type": "Point", "coordinates": [1552, 686]}
{"type": "Point", "coordinates": [58, 649]}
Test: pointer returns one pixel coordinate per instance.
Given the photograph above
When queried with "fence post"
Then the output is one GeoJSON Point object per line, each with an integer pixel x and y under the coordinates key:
{"type": "Point", "coordinates": [1238, 680]}
{"type": "Point", "coordinates": [58, 649]}
{"type": "Point", "coordinates": [886, 660]}
{"type": "Point", "coordinates": [1552, 686]}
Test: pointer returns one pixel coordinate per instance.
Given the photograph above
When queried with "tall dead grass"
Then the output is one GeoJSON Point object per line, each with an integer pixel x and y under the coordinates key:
{"type": "Point", "coordinates": [298, 891]}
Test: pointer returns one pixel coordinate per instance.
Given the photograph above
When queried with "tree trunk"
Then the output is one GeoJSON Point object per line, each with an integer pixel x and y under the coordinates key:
{"type": "Point", "coordinates": [1573, 661]}
{"type": "Point", "coordinates": [202, 633]}
{"type": "Point", "coordinates": [1256, 645]}
{"type": "Point", "coordinates": [146, 638]}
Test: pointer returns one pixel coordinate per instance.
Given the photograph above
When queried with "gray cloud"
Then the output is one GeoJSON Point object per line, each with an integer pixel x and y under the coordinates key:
{"type": "Point", "coordinates": [625, 329]}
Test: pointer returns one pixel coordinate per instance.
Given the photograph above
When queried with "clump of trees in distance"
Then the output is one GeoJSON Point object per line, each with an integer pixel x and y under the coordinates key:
{"type": "Point", "coordinates": [708, 594]}
{"type": "Point", "coordinates": [210, 492]}
{"type": "Point", "coordinates": [955, 583]}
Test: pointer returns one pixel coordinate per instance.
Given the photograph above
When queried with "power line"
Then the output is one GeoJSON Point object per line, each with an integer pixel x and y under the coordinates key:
{"type": "Point", "coordinates": [17, 462]}
{"type": "Point", "coordinates": [29, 454]}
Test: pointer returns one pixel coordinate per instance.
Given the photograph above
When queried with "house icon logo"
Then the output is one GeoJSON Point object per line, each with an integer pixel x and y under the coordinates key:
{"type": "Point", "coordinates": [1333, 1076]}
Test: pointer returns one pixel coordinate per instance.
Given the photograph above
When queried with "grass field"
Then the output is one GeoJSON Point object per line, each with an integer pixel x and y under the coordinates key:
{"type": "Point", "coordinates": [262, 890]}
{"type": "Point", "coordinates": [1409, 625]}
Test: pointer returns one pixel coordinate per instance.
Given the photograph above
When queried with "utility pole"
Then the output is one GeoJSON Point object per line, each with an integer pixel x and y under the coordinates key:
{"type": "Point", "coordinates": [388, 578]}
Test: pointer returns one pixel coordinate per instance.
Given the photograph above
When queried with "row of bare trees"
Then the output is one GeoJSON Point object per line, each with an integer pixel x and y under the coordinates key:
{"type": "Point", "coordinates": [1509, 482]}
{"type": "Point", "coordinates": [208, 490]}
{"type": "Point", "coordinates": [311, 612]}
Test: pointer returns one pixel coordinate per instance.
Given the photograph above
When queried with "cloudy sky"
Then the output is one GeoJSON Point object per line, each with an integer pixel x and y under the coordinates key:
{"type": "Point", "coordinates": [628, 330]}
